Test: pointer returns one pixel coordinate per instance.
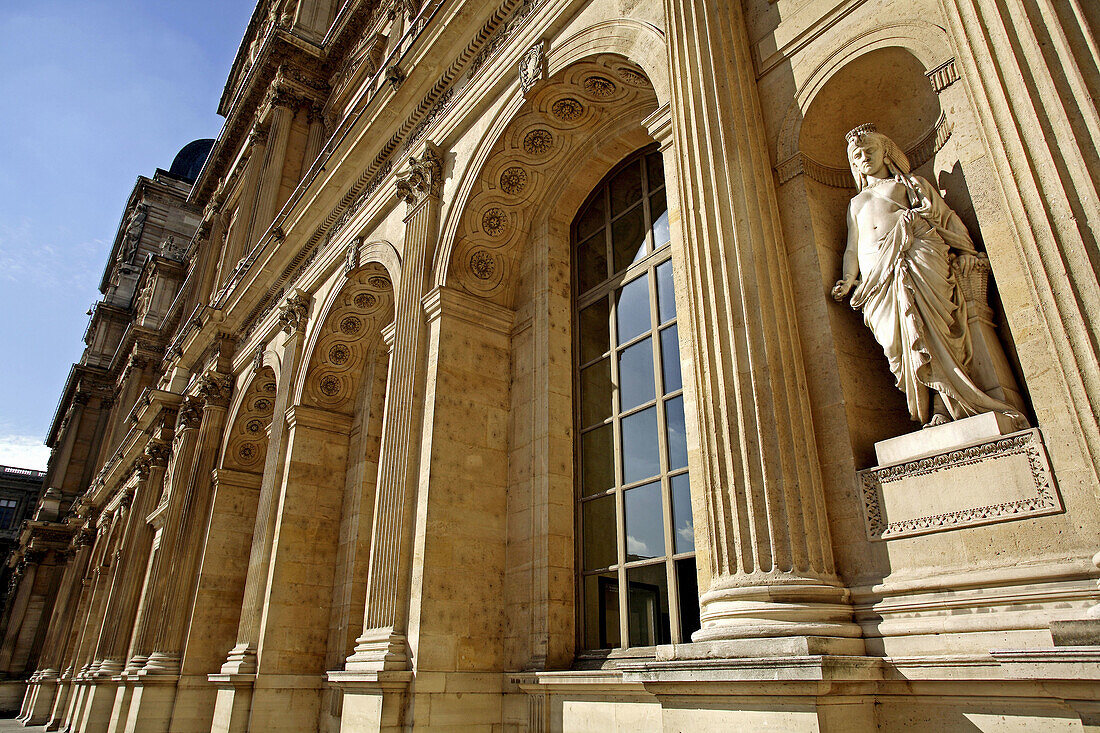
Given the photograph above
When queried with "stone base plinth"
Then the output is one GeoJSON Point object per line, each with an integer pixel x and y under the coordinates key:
{"type": "Point", "coordinates": [1000, 479]}
{"type": "Point", "coordinates": [955, 434]}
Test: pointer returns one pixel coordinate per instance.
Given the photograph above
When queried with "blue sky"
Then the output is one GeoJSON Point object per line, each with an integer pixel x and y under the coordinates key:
{"type": "Point", "coordinates": [93, 94]}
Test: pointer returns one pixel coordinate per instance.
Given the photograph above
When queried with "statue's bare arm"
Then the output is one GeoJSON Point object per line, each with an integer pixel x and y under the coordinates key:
{"type": "Point", "coordinates": [850, 273]}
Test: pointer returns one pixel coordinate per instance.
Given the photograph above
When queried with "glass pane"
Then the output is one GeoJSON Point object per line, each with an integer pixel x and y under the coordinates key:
{"type": "Point", "coordinates": [597, 460]}
{"type": "Point", "coordinates": [591, 263]}
{"type": "Point", "coordinates": [658, 209]}
{"type": "Point", "coordinates": [688, 585]}
{"type": "Point", "coordinates": [670, 360]}
{"type": "Point", "coordinates": [647, 606]}
{"type": "Point", "coordinates": [645, 522]}
{"type": "Point", "coordinates": [601, 611]}
{"type": "Point", "coordinates": [626, 188]}
{"type": "Point", "coordinates": [677, 439]}
{"type": "Point", "coordinates": [640, 456]}
{"type": "Point", "coordinates": [656, 169]}
{"type": "Point", "coordinates": [593, 217]}
{"type": "Point", "coordinates": [636, 375]}
{"type": "Point", "coordinates": [595, 330]}
{"type": "Point", "coordinates": [683, 527]}
{"type": "Point", "coordinates": [596, 393]}
{"type": "Point", "coordinates": [598, 518]}
{"type": "Point", "coordinates": [666, 293]}
{"type": "Point", "coordinates": [632, 309]}
{"type": "Point", "coordinates": [628, 238]}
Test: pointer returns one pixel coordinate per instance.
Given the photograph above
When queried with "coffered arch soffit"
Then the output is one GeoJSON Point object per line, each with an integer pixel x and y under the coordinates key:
{"type": "Point", "coordinates": [351, 325]}
{"type": "Point", "coordinates": [533, 159]}
{"type": "Point", "coordinates": [246, 441]}
{"type": "Point", "coordinates": [928, 42]}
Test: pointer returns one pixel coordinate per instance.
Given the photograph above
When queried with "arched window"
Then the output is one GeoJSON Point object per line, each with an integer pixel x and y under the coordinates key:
{"type": "Point", "coordinates": [633, 505]}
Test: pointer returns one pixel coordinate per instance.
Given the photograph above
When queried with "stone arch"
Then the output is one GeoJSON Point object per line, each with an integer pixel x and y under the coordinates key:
{"type": "Point", "coordinates": [525, 165]}
{"type": "Point", "coordinates": [350, 329]}
{"type": "Point", "coordinates": [925, 41]}
{"type": "Point", "coordinates": [245, 445]}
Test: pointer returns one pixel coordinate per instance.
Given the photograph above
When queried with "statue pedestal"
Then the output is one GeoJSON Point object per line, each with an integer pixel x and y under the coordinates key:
{"type": "Point", "coordinates": [965, 473]}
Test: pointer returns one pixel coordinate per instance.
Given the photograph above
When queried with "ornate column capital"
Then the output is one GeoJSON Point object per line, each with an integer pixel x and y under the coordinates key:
{"type": "Point", "coordinates": [214, 388]}
{"type": "Point", "coordinates": [424, 178]}
{"type": "Point", "coordinates": [189, 415]}
{"type": "Point", "coordinates": [293, 312]}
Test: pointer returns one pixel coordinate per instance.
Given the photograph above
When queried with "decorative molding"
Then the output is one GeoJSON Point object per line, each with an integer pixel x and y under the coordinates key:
{"type": "Point", "coordinates": [943, 76]}
{"type": "Point", "coordinates": [1043, 498]}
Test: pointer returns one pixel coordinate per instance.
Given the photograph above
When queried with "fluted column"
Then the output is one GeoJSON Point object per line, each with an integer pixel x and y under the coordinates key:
{"type": "Point", "coordinates": [383, 642]}
{"type": "Point", "coordinates": [242, 658]}
{"type": "Point", "coordinates": [315, 139]}
{"type": "Point", "coordinates": [765, 559]}
{"type": "Point", "coordinates": [267, 198]}
{"type": "Point", "coordinates": [239, 233]}
{"type": "Point", "coordinates": [115, 636]}
{"type": "Point", "coordinates": [185, 538]}
{"type": "Point", "coordinates": [151, 606]}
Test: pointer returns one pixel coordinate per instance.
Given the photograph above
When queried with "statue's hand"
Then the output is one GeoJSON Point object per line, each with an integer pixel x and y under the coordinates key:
{"type": "Point", "coordinates": [915, 224]}
{"type": "Point", "coordinates": [965, 264]}
{"type": "Point", "coordinates": [843, 287]}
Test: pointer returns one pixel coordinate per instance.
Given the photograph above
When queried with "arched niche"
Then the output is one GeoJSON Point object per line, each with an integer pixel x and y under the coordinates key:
{"type": "Point", "coordinates": [247, 439]}
{"type": "Point", "coordinates": [888, 86]}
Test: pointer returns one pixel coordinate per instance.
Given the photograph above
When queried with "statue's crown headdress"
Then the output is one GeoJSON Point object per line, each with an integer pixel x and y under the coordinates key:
{"type": "Point", "coordinates": [856, 134]}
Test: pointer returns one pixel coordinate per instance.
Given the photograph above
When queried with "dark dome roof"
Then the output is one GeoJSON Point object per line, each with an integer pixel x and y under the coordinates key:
{"type": "Point", "coordinates": [189, 160]}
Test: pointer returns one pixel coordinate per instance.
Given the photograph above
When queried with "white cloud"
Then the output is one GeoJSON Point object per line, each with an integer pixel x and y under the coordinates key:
{"type": "Point", "coordinates": [23, 451]}
{"type": "Point", "coordinates": [687, 532]}
{"type": "Point", "coordinates": [637, 547]}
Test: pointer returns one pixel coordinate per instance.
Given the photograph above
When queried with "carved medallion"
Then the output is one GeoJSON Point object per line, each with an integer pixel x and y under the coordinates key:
{"type": "Point", "coordinates": [329, 385]}
{"type": "Point", "coordinates": [482, 265]}
{"type": "Point", "coordinates": [263, 404]}
{"type": "Point", "coordinates": [339, 354]}
{"type": "Point", "coordinates": [351, 325]}
{"type": "Point", "coordinates": [379, 283]}
{"type": "Point", "coordinates": [494, 221]}
{"type": "Point", "coordinates": [247, 452]}
{"type": "Point", "coordinates": [567, 109]}
{"type": "Point", "coordinates": [365, 301]}
{"type": "Point", "coordinates": [269, 388]}
{"type": "Point", "coordinates": [254, 426]}
{"type": "Point", "coordinates": [513, 180]}
{"type": "Point", "coordinates": [599, 86]}
{"type": "Point", "coordinates": [538, 142]}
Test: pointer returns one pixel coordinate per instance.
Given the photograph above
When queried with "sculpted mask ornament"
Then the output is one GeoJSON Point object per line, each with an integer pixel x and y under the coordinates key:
{"type": "Point", "coordinates": [906, 253]}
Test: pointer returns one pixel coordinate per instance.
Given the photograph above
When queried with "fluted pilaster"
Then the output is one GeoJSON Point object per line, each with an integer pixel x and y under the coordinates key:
{"type": "Point", "coordinates": [766, 564]}
{"type": "Point", "coordinates": [383, 642]}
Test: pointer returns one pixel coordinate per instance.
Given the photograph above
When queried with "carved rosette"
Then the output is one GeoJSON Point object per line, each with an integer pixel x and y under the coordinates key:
{"type": "Point", "coordinates": [424, 179]}
{"type": "Point", "coordinates": [293, 312]}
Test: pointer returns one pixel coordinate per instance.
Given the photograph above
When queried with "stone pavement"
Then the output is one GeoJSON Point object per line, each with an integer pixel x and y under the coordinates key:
{"type": "Point", "coordinates": [10, 724]}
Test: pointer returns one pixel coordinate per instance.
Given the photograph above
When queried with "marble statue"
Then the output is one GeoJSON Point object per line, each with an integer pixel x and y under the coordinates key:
{"type": "Point", "coordinates": [905, 255]}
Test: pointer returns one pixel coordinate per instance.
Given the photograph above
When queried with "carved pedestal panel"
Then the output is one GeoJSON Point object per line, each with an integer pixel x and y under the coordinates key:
{"type": "Point", "coordinates": [996, 480]}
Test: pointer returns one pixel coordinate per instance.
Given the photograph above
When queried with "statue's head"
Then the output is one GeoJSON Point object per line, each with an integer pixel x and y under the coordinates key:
{"type": "Point", "coordinates": [869, 149]}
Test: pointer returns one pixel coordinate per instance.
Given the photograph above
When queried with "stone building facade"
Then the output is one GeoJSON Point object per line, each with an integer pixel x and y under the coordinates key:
{"type": "Point", "coordinates": [487, 377]}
